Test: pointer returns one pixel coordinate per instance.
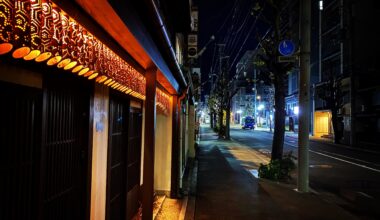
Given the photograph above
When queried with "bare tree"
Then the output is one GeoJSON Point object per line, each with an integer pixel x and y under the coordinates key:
{"type": "Point", "coordinates": [276, 71]}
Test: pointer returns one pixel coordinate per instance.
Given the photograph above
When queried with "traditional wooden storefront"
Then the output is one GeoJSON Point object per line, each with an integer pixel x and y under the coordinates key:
{"type": "Point", "coordinates": [74, 126]}
{"type": "Point", "coordinates": [45, 144]}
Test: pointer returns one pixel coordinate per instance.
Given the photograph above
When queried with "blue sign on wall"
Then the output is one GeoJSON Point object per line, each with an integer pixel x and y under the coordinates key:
{"type": "Point", "coordinates": [286, 48]}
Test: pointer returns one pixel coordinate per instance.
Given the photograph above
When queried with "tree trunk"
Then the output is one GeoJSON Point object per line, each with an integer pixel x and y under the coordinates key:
{"type": "Point", "coordinates": [212, 120]}
{"type": "Point", "coordinates": [279, 118]}
{"type": "Point", "coordinates": [220, 131]}
{"type": "Point", "coordinates": [228, 115]}
{"type": "Point", "coordinates": [335, 123]}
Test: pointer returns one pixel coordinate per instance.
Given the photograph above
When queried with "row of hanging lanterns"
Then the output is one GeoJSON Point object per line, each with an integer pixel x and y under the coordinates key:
{"type": "Point", "coordinates": [162, 101]}
{"type": "Point", "coordinates": [39, 30]}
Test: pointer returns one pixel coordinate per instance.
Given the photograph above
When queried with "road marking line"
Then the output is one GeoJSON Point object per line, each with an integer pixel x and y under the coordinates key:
{"type": "Point", "coordinates": [363, 161]}
{"type": "Point", "coordinates": [346, 161]}
{"type": "Point", "coordinates": [359, 165]}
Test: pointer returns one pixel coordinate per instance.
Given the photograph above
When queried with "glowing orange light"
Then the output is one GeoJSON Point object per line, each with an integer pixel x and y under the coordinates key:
{"type": "Point", "coordinates": [89, 73]}
{"type": "Point", "coordinates": [39, 30]}
{"type": "Point", "coordinates": [32, 55]}
{"type": "Point", "coordinates": [83, 71]}
{"type": "Point", "coordinates": [21, 52]}
{"type": "Point", "coordinates": [70, 65]}
{"type": "Point", "coordinates": [107, 81]}
{"type": "Point", "coordinates": [54, 60]}
{"type": "Point", "coordinates": [101, 79]}
{"type": "Point", "coordinates": [110, 84]}
{"type": "Point", "coordinates": [77, 68]}
{"type": "Point", "coordinates": [5, 48]}
{"type": "Point", "coordinates": [44, 56]}
{"type": "Point", "coordinates": [93, 76]}
{"type": "Point", "coordinates": [128, 91]}
{"type": "Point", "coordinates": [63, 63]}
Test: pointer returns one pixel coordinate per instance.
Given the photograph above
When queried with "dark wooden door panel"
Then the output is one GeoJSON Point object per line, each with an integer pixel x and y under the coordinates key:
{"type": "Point", "coordinates": [124, 155]}
{"type": "Point", "coordinates": [20, 140]}
{"type": "Point", "coordinates": [65, 147]}
{"type": "Point", "coordinates": [134, 160]}
{"type": "Point", "coordinates": [117, 157]}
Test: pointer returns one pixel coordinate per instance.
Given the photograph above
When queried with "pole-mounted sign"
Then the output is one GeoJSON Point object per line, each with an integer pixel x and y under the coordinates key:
{"type": "Point", "coordinates": [286, 48]}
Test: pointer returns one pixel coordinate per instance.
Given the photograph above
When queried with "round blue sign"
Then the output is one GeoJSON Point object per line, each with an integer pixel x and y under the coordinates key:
{"type": "Point", "coordinates": [286, 48]}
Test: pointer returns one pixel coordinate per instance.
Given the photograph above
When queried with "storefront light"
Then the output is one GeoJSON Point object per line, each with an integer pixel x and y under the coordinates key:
{"type": "Point", "coordinates": [41, 31]}
{"type": "Point", "coordinates": [64, 62]}
{"type": "Point", "coordinates": [101, 79]}
{"type": "Point", "coordinates": [43, 57]}
{"type": "Point", "coordinates": [21, 52]}
{"type": "Point", "coordinates": [54, 60]}
{"type": "Point", "coordinates": [89, 73]}
{"type": "Point", "coordinates": [111, 83]}
{"type": "Point", "coordinates": [83, 71]}
{"type": "Point", "coordinates": [107, 81]}
{"type": "Point", "coordinates": [5, 48]}
{"type": "Point", "coordinates": [93, 76]}
{"type": "Point", "coordinates": [70, 65]}
{"type": "Point", "coordinates": [32, 55]}
{"type": "Point", "coordinates": [77, 68]}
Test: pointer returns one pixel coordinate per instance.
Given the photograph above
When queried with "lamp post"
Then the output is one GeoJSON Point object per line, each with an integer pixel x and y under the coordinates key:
{"type": "Point", "coordinates": [239, 114]}
{"type": "Point", "coordinates": [257, 108]}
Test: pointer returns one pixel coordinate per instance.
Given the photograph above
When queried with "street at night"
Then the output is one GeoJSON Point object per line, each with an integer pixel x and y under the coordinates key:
{"type": "Point", "coordinates": [189, 109]}
{"type": "Point", "coordinates": [340, 174]}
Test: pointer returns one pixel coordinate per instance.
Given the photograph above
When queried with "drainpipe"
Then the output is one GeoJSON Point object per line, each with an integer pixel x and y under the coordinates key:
{"type": "Point", "coordinates": [169, 44]}
{"type": "Point", "coordinates": [176, 162]}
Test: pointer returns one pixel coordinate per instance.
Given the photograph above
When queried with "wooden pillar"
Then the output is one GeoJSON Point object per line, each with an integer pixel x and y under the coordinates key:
{"type": "Point", "coordinates": [149, 140]}
{"type": "Point", "coordinates": [175, 149]}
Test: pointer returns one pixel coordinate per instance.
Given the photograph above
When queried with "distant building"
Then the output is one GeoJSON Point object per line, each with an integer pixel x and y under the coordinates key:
{"type": "Point", "coordinates": [343, 50]}
{"type": "Point", "coordinates": [253, 96]}
{"type": "Point", "coordinates": [349, 53]}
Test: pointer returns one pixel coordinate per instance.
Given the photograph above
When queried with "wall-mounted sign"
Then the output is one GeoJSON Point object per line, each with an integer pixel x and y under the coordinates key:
{"type": "Point", "coordinates": [286, 48]}
{"type": "Point", "coordinates": [192, 42]}
{"type": "Point", "coordinates": [194, 20]}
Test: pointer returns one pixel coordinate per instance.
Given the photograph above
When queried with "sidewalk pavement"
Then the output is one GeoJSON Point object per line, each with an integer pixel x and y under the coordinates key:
{"type": "Point", "coordinates": [228, 189]}
{"type": "Point", "coordinates": [223, 184]}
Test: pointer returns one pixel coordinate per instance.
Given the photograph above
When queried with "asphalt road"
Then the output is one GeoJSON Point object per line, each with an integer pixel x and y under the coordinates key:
{"type": "Point", "coordinates": [346, 176]}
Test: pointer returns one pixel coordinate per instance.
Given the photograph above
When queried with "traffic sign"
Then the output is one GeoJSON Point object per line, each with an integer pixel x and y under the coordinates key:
{"type": "Point", "coordinates": [286, 48]}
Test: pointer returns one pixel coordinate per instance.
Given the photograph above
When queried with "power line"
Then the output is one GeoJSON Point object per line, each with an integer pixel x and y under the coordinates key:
{"type": "Point", "coordinates": [245, 40]}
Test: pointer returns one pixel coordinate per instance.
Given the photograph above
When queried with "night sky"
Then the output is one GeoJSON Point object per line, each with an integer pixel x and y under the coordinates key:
{"type": "Point", "coordinates": [230, 21]}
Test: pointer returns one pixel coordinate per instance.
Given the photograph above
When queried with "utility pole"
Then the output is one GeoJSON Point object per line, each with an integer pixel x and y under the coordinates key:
{"type": "Point", "coordinates": [220, 89]}
{"type": "Point", "coordinates": [255, 97]}
{"type": "Point", "coordinates": [304, 97]}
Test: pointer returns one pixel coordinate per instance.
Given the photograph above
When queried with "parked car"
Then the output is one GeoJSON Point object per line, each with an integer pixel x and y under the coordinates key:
{"type": "Point", "coordinates": [248, 122]}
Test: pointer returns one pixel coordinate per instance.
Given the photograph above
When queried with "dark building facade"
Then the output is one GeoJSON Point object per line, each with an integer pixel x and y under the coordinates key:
{"type": "Point", "coordinates": [95, 108]}
{"type": "Point", "coordinates": [348, 52]}
{"type": "Point", "coordinates": [343, 71]}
